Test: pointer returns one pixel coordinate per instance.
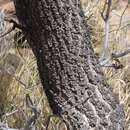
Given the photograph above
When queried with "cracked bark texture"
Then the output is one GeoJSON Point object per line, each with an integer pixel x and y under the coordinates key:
{"type": "Point", "coordinates": [70, 73]}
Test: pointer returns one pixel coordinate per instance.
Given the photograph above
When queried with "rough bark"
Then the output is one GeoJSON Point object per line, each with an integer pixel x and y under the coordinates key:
{"type": "Point", "coordinates": [71, 76]}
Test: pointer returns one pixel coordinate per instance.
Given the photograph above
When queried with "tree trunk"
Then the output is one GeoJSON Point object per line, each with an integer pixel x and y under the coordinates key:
{"type": "Point", "coordinates": [70, 73]}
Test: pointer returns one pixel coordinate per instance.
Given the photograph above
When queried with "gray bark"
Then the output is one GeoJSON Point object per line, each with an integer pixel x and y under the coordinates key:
{"type": "Point", "coordinates": [70, 73]}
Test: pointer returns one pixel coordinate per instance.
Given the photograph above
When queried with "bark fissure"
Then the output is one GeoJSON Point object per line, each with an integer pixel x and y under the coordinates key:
{"type": "Point", "coordinates": [71, 76]}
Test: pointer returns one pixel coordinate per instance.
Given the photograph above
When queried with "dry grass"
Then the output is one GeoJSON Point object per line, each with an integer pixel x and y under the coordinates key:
{"type": "Point", "coordinates": [119, 38]}
{"type": "Point", "coordinates": [19, 74]}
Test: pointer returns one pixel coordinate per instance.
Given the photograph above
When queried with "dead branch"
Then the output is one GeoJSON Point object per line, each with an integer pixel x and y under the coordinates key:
{"type": "Point", "coordinates": [15, 25]}
{"type": "Point", "coordinates": [11, 113]}
{"type": "Point", "coordinates": [102, 13]}
{"type": "Point", "coordinates": [121, 28]}
{"type": "Point", "coordinates": [108, 4]}
{"type": "Point", "coordinates": [115, 56]}
{"type": "Point", "coordinates": [30, 125]}
{"type": "Point", "coordinates": [117, 65]}
{"type": "Point", "coordinates": [120, 54]}
{"type": "Point", "coordinates": [107, 7]}
{"type": "Point", "coordinates": [9, 31]}
{"type": "Point", "coordinates": [123, 15]}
